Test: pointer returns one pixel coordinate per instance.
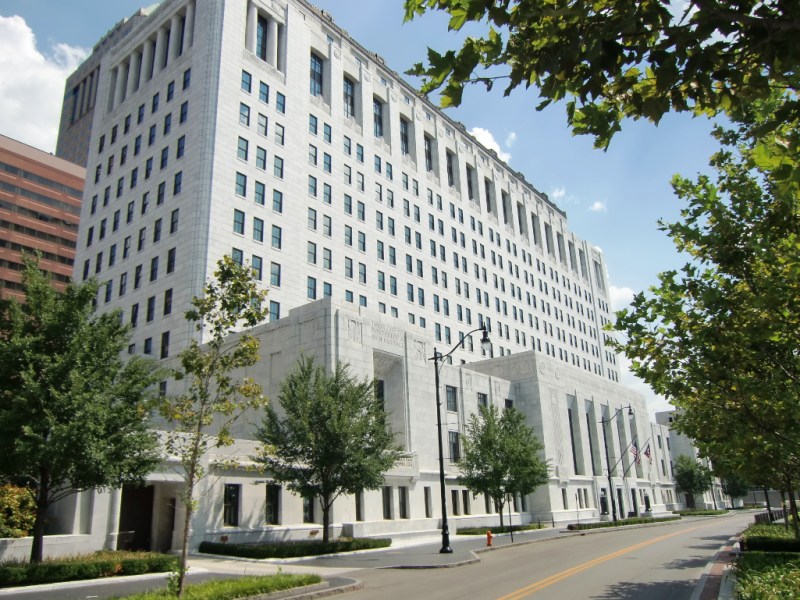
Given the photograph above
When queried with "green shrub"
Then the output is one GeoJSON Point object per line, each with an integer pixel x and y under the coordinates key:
{"type": "Point", "coordinates": [769, 538]}
{"type": "Point", "coordinates": [496, 530]}
{"type": "Point", "coordinates": [767, 576]}
{"type": "Point", "coordinates": [228, 589]}
{"type": "Point", "coordinates": [93, 566]}
{"type": "Point", "coordinates": [17, 511]}
{"type": "Point", "coordinates": [294, 549]}
{"type": "Point", "coordinates": [620, 523]}
{"type": "Point", "coordinates": [701, 513]}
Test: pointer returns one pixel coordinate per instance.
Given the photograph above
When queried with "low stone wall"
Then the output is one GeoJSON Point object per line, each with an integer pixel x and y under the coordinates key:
{"type": "Point", "coordinates": [54, 546]}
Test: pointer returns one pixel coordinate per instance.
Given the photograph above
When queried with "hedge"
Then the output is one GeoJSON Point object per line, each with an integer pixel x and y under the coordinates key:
{"type": "Point", "coordinates": [496, 530]}
{"type": "Point", "coordinates": [702, 513]}
{"type": "Point", "coordinates": [294, 549]}
{"type": "Point", "coordinates": [769, 538]}
{"type": "Point", "coordinates": [94, 566]}
{"type": "Point", "coordinates": [620, 523]}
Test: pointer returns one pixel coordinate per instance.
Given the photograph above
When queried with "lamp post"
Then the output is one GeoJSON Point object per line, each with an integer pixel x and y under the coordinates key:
{"type": "Point", "coordinates": [437, 359]}
{"type": "Point", "coordinates": [604, 422]}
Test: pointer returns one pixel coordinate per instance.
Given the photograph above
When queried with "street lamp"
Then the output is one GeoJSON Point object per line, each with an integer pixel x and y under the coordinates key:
{"type": "Point", "coordinates": [437, 359]}
{"type": "Point", "coordinates": [604, 422]}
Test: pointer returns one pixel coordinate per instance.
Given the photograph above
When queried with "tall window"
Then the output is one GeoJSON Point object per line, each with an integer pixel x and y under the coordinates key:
{"type": "Point", "coordinates": [272, 505]}
{"type": "Point", "coordinates": [377, 115]}
{"type": "Point", "coordinates": [308, 509]}
{"type": "Point", "coordinates": [455, 449]}
{"type": "Point", "coordinates": [230, 512]}
{"type": "Point", "coordinates": [450, 169]}
{"type": "Point", "coordinates": [483, 399]}
{"type": "Point", "coordinates": [261, 38]}
{"type": "Point", "coordinates": [316, 75]}
{"type": "Point", "coordinates": [428, 154]}
{"type": "Point", "coordinates": [349, 92]}
{"type": "Point", "coordinates": [452, 403]}
{"type": "Point", "coordinates": [386, 493]}
{"type": "Point", "coordinates": [404, 145]}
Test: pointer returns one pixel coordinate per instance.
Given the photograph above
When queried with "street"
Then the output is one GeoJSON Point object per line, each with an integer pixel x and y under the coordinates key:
{"type": "Point", "coordinates": [657, 563]}
{"type": "Point", "coordinates": [663, 562]}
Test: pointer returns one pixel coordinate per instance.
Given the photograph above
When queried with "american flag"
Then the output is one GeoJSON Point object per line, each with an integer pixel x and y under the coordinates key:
{"type": "Point", "coordinates": [635, 452]}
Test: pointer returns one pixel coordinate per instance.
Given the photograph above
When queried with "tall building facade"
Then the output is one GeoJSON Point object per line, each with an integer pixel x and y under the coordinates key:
{"type": "Point", "coordinates": [40, 200]}
{"type": "Point", "coordinates": [381, 229]}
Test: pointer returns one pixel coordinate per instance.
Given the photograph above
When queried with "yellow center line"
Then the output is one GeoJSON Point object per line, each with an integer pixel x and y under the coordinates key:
{"type": "Point", "coordinates": [540, 585]}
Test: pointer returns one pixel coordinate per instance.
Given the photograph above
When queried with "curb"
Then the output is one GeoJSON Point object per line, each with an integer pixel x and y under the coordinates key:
{"type": "Point", "coordinates": [718, 579]}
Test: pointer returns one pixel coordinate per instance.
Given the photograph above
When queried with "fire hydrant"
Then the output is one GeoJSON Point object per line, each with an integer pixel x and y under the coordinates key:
{"type": "Point", "coordinates": [489, 537]}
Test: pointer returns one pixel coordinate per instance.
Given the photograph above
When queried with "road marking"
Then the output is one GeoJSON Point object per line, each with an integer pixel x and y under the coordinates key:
{"type": "Point", "coordinates": [548, 581]}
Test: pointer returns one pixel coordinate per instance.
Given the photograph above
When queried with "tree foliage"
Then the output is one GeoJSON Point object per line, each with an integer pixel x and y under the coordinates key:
{"type": "Point", "coordinates": [692, 477]}
{"type": "Point", "coordinates": [501, 456]}
{"type": "Point", "coordinates": [612, 59]}
{"type": "Point", "coordinates": [17, 511]}
{"type": "Point", "coordinates": [735, 485]}
{"type": "Point", "coordinates": [73, 413]}
{"type": "Point", "coordinates": [719, 337]}
{"type": "Point", "coordinates": [331, 436]}
{"type": "Point", "coordinates": [215, 395]}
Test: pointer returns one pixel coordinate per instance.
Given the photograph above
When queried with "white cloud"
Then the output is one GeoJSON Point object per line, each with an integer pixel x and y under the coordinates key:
{"type": "Point", "coordinates": [620, 297]}
{"type": "Point", "coordinates": [32, 84]}
{"type": "Point", "coordinates": [598, 206]}
{"type": "Point", "coordinates": [558, 193]}
{"type": "Point", "coordinates": [655, 402]}
{"type": "Point", "coordinates": [485, 137]}
{"type": "Point", "coordinates": [510, 139]}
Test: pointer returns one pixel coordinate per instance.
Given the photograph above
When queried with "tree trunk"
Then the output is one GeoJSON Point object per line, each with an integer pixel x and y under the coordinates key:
{"type": "Point", "coordinates": [42, 503]}
{"type": "Point", "coordinates": [326, 517]}
{"type": "Point", "coordinates": [499, 506]}
{"type": "Point", "coordinates": [184, 563]}
{"type": "Point", "coordinates": [769, 508]}
{"type": "Point", "coordinates": [785, 509]}
{"type": "Point", "coordinates": [793, 504]}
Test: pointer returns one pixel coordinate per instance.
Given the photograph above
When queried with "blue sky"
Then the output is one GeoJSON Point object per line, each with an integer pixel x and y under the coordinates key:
{"type": "Point", "coordinates": [613, 199]}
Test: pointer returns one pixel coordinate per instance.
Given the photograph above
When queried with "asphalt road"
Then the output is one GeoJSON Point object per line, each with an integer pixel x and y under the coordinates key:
{"type": "Point", "coordinates": [652, 563]}
{"type": "Point", "coordinates": [664, 562]}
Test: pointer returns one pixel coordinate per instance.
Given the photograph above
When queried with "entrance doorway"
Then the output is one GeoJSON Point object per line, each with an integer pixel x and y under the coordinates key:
{"type": "Point", "coordinates": [136, 518]}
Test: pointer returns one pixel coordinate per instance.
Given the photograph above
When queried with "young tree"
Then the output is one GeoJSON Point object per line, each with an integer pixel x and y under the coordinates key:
{"type": "Point", "coordinates": [618, 59]}
{"type": "Point", "coordinates": [692, 478]}
{"type": "Point", "coordinates": [501, 456]}
{"type": "Point", "coordinates": [73, 414]}
{"type": "Point", "coordinates": [330, 438]}
{"type": "Point", "coordinates": [214, 398]}
{"type": "Point", "coordinates": [735, 486]}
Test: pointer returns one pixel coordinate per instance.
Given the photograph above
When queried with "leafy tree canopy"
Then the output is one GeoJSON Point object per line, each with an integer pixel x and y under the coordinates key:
{"type": "Point", "coordinates": [612, 59]}
{"type": "Point", "coordinates": [501, 456]}
{"type": "Point", "coordinates": [691, 476]}
{"type": "Point", "coordinates": [329, 437]}
{"type": "Point", "coordinates": [73, 413]}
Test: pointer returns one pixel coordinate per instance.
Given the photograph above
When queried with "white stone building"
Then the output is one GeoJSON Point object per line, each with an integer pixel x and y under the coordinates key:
{"type": "Point", "coordinates": [681, 445]}
{"type": "Point", "coordinates": [260, 129]}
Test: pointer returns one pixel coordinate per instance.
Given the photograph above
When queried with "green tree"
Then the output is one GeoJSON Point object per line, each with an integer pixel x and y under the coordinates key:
{"type": "Point", "coordinates": [719, 337]}
{"type": "Point", "coordinates": [215, 395]}
{"type": "Point", "coordinates": [501, 456]}
{"type": "Point", "coordinates": [17, 511]}
{"type": "Point", "coordinates": [617, 59]}
{"type": "Point", "coordinates": [692, 478]}
{"type": "Point", "coordinates": [73, 413]}
{"type": "Point", "coordinates": [331, 436]}
{"type": "Point", "coordinates": [735, 485]}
